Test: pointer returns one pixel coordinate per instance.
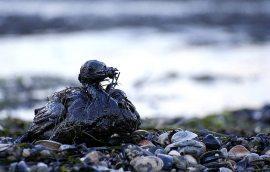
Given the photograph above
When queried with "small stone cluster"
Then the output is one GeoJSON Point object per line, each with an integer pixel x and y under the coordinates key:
{"type": "Point", "coordinates": [175, 150]}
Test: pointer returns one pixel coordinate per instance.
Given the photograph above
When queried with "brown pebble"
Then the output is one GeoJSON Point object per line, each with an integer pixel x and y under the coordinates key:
{"type": "Point", "coordinates": [238, 152]}
{"type": "Point", "coordinates": [146, 144]}
{"type": "Point", "coordinates": [49, 144]}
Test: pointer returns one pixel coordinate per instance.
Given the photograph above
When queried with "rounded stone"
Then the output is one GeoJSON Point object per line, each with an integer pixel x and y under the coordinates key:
{"type": "Point", "coordinates": [224, 152]}
{"type": "Point", "coordinates": [147, 163]}
{"type": "Point", "coordinates": [211, 142]}
{"type": "Point", "coordinates": [191, 147]}
{"type": "Point", "coordinates": [140, 133]}
{"type": "Point", "coordinates": [93, 157]}
{"type": "Point", "coordinates": [131, 151]}
{"type": "Point", "coordinates": [252, 157]}
{"type": "Point", "coordinates": [159, 151]}
{"type": "Point", "coordinates": [167, 161]}
{"type": "Point", "coordinates": [180, 162]}
{"type": "Point", "coordinates": [49, 144]}
{"type": "Point", "coordinates": [26, 153]}
{"type": "Point", "coordinates": [212, 156]}
{"type": "Point", "coordinates": [238, 152]}
{"type": "Point", "coordinates": [183, 136]}
{"type": "Point", "coordinates": [42, 167]}
{"type": "Point", "coordinates": [146, 144]}
{"type": "Point", "coordinates": [163, 138]}
{"type": "Point", "coordinates": [66, 147]}
{"type": "Point", "coordinates": [154, 149]}
{"type": "Point", "coordinates": [190, 159]}
{"type": "Point", "coordinates": [224, 169]}
{"type": "Point", "coordinates": [4, 146]}
{"type": "Point", "coordinates": [265, 157]}
{"type": "Point", "coordinates": [19, 167]}
{"type": "Point", "coordinates": [45, 153]}
{"type": "Point", "coordinates": [267, 152]}
{"type": "Point", "coordinates": [174, 153]}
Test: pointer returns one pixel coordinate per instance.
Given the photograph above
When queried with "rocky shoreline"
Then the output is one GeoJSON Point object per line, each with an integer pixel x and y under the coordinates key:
{"type": "Point", "coordinates": [231, 141]}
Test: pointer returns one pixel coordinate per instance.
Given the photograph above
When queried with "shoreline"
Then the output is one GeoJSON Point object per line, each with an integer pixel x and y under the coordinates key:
{"type": "Point", "coordinates": [216, 142]}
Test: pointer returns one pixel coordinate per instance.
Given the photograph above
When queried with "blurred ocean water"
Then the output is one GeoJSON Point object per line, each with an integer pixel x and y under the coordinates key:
{"type": "Point", "coordinates": [175, 57]}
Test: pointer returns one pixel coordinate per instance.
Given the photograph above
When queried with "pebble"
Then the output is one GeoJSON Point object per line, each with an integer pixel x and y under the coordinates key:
{"type": "Point", "coordinates": [131, 151]}
{"type": "Point", "coordinates": [147, 154]}
{"type": "Point", "coordinates": [4, 146]}
{"type": "Point", "coordinates": [267, 152]}
{"type": "Point", "coordinates": [211, 156]}
{"type": "Point", "coordinates": [167, 161]}
{"type": "Point", "coordinates": [190, 159]}
{"type": "Point", "coordinates": [45, 153]}
{"type": "Point", "coordinates": [6, 140]}
{"type": "Point", "coordinates": [159, 151]}
{"type": "Point", "coordinates": [155, 149]}
{"type": "Point", "coordinates": [174, 153]}
{"type": "Point", "coordinates": [163, 138]}
{"type": "Point", "coordinates": [139, 134]}
{"type": "Point", "coordinates": [147, 163]}
{"type": "Point", "coordinates": [252, 157]}
{"type": "Point", "coordinates": [224, 152]}
{"type": "Point", "coordinates": [19, 167]}
{"type": "Point", "coordinates": [265, 157]}
{"type": "Point", "coordinates": [192, 147]}
{"type": "Point", "coordinates": [238, 152]}
{"type": "Point", "coordinates": [49, 144]}
{"type": "Point", "coordinates": [231, 162]}
{"type": "Point", "coordinates": [180, 162]}
{"type": "Point", "coordinates": [211, 142]}
{"type": "Point", "coordinates": [42, 167]}
{"type": "Point", "coordinates": [146, 144]}
{"type": "Point", "coordinates": [92, 157]}
{"type": "Point", "coordinates": [26, 153]}
{"type": "Point", "coordinates": [183, 136]}
{"type": "Point", "coordinates": [66, 147]}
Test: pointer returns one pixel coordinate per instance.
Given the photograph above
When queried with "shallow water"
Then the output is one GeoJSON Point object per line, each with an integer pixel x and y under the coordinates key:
{"type": "Point", "coordinates": [144, 58]}
{"type": "Point", "coordinates": [157, 67]}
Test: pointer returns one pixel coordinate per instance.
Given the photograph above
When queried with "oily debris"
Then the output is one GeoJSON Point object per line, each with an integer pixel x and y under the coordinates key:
{"type": "Point", "coordinates": [90, 113]}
